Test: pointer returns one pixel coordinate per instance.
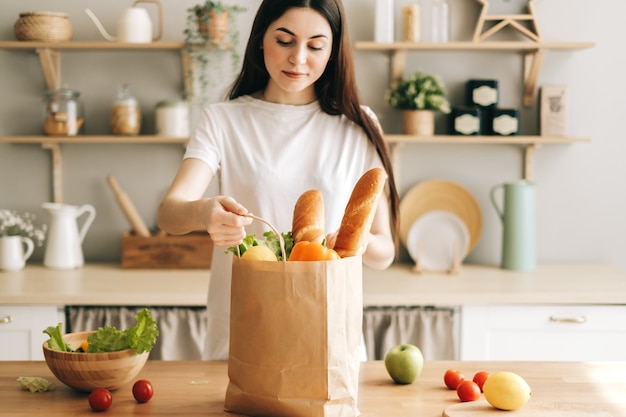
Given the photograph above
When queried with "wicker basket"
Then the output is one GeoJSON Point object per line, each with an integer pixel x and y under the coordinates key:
{"type": "Point", "coordinates": [43, 27]}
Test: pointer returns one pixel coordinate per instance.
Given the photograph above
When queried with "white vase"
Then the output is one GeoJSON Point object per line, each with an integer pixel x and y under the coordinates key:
{"type": "Point", "coordinates": [14, 251]}
{"type": "Point", "coordinates": [384, 21]}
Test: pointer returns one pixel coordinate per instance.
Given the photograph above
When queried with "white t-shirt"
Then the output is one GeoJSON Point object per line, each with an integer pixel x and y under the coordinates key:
{"type": "Point", "coordinates": [265, 156]}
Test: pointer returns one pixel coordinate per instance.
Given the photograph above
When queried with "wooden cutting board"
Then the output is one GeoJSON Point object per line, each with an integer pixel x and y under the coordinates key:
{"type": "Point", "coordinates": [482, 408]}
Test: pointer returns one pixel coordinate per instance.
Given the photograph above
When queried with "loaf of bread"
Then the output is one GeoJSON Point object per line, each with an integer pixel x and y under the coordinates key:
{"type": "Point", "coordinates": [308, 217]}
{"type": "Point", "coordinates": [359, 214]}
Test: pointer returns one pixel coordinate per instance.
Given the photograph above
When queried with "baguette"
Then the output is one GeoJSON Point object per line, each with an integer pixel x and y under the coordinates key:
{"type": "Point", "coordinates": [308, 218]}
{"type": "Point", "coordinates": [359, 214]}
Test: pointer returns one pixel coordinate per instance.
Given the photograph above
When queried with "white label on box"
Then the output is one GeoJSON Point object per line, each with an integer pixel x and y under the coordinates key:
{"type": "Point", "coordinates": [485, 95]}
{"type": "Point", "coordinates": [505, 124]}
{"type": "Point", "coordinates": [553, 110]}
{"type": "Point", "coordinates": [467, 124]}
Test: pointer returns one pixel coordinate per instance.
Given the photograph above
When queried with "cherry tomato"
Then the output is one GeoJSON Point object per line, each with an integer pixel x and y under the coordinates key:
{"type": "Point", "coordinates": [480, 378]}
{"type": "Point", "coordinates": [468, 391]}
{"type": "Point", "coordinates": [453, 378]}
{"type": "Point", "coordinates": [143, 390]}
{"type": "Point", "coordinates": [100, 399]}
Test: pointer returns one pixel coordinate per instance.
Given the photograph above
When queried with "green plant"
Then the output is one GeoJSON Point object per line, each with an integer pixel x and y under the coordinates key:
{"type": "Point", "coordinates": [201, 41]}
{"type": "Point", "coordinates": [14, 224]}
{"type": "Point", "coordinates": [418, 92]}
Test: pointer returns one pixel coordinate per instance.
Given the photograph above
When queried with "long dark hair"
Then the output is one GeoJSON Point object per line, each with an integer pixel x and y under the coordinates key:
{"type": "Point", "coordinates": [336, 89]}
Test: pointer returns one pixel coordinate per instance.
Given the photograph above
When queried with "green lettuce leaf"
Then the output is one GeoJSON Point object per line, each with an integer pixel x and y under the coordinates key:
{"type": "Point", "coordinates": [272, 242]}
{"type": "Point", "coordinates": [141, 337]}
{"type": "Point", "coordinates": [35, 383]}
{"type": "Point", "coordinates": [106, 339]}
{"type": "Point", "coordinates": [248, 242]}
{"type": "Point", "coordinates": [56, 341]}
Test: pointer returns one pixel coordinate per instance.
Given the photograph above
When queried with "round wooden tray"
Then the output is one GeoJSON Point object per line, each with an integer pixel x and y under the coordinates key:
{"type": "Point", "coordinates": [441, 195]}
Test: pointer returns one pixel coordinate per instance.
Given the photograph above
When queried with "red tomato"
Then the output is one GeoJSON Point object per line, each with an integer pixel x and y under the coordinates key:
{"type": "Point", "coordinates": [100, 399]}
{"type": "Point", "coordinates": [480, 378]}
{"type": "Point", "coordinates": [468, 391]}
{"type": "Point", "coordinates": [453, 378]}
{"type": "Point", "coordinates": [143, 390]}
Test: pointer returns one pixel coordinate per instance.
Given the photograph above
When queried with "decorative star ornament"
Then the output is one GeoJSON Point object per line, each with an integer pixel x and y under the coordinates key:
{"type": "Point", "coordinates": [525, 23]}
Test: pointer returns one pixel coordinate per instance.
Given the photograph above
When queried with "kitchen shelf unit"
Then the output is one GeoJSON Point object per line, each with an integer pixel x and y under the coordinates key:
{"type": "Point", "coordinates": [50, 60]}
{"type": "Point", "coordinates": [533, 53]}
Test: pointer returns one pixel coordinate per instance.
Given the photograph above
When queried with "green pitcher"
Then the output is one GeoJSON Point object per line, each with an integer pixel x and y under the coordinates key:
{"type": "Point", "coordinates": [518, 220]}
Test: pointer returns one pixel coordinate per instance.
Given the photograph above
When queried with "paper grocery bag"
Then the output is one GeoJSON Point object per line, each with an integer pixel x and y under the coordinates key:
{"type": "Point", "coordinates": [295, 334]}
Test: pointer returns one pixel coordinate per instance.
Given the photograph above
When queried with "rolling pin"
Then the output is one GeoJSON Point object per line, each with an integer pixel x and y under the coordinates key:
{"type": "Point", "coordinates": [136, 222]}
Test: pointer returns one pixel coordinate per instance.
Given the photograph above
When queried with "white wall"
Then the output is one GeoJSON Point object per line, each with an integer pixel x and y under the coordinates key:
{"type": "Point", "coordinates": [580, 190]}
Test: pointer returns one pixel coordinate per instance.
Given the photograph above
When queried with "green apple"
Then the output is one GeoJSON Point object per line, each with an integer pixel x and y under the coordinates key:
{"type": "Point", "coordinates": [404, 363]}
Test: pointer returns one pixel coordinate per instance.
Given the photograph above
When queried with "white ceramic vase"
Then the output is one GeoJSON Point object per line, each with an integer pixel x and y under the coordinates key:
{"type": "Point", "coordinates": [14, 252]}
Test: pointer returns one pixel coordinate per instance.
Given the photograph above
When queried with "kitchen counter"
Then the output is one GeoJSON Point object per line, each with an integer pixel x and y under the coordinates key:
{"type": "Point", "coordinates": [197, 388]}
{"type": "Point", "coordinates": [475, 284]}
{"type": "Point", "coordinates": [102, 285]}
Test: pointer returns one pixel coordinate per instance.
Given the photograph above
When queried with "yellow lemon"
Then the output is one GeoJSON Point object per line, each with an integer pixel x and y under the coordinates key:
{"type": "Point", "coordinates": [506, 390]}
{"type": "Point", "coordinates": [259, 253]}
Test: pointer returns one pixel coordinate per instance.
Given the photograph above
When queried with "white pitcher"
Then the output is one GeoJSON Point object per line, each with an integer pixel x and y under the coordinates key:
{"type": "Point", "coordinates": [65, 238]}
{"type": "Point", "coordinates": [14, 251]}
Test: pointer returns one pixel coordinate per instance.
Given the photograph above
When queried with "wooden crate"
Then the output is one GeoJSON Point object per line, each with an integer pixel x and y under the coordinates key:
{"type": "Point", "coordinates": [193, 250]}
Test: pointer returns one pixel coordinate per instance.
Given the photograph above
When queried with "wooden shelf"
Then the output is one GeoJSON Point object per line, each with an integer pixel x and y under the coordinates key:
{"type": "Point", "coordinates": [91, 45]}
{"type": "Point", "coordinates": [533, 55]}
{"type": "Point", "coordinates": [88, 139]}
{"type": "Point", "coordinates": [487, 140]}
{"type": "Point", "coordinates": [530, 143]}
{"type": "Point", "coordinates": [472, 46]}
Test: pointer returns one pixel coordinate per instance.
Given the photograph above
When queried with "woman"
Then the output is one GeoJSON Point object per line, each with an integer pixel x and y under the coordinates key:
{"type": "Point", "coordinates": [293, 122]}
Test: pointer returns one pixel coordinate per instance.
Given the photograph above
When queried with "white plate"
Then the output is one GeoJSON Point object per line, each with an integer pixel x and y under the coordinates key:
{"type": "Point", "coordinates": [432, 238]}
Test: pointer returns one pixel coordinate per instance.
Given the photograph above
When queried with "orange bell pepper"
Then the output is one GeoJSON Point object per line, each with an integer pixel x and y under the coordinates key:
{"type": "Point", "coordinates": [312, 251]}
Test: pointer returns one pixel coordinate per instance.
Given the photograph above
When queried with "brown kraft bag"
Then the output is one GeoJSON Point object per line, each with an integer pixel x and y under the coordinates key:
{"type": "Point", "coordinates": [295, 335]}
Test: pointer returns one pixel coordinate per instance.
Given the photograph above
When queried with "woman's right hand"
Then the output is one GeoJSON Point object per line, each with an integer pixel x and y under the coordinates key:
{"type": "Point", "coordinates": [225, 220]}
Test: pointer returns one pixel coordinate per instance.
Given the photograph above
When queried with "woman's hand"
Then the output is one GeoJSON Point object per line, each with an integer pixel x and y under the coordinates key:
{"type": "Point", "coordinates": [225, 220]}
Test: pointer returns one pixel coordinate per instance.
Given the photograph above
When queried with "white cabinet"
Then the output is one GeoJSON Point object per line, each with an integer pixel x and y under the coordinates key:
{"type": "Point", "coordinates": [543, 332]}
{"type": "Point", "coordinates": [21, 330]}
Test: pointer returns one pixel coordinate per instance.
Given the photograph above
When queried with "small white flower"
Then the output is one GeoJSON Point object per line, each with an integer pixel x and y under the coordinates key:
{"type": "Point", "coordinates": [14, 224]}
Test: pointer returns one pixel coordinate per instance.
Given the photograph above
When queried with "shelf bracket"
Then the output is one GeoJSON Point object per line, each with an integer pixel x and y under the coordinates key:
{"type": "Point", "coordinates": [50, 60]}
{"type": "Point", "coordinates": [532, 66]}
{"type": "Point", "coordinates": [398, 63]}
{"type": "Point", "coordinates": [528, 173]}
{"type": "Point", "coordinates": [57, 171]}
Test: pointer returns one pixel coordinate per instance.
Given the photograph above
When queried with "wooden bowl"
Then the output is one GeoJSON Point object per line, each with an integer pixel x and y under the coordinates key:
{"type": "Point", "coordinates": [88, 371]}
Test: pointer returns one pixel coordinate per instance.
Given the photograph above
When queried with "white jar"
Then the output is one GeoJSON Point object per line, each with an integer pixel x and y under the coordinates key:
{"type": "Point", "coordinates": [172, 119]}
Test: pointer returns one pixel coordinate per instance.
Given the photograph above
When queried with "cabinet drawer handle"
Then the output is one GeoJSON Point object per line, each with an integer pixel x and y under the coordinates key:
{"type": "Point", "coordinates": [6, 319]}
{"type": "Point", "coordinates": [580, 319]}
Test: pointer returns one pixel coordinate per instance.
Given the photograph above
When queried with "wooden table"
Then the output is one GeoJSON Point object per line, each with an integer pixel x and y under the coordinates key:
{"type": "Point", "coordinates": [197, 388]}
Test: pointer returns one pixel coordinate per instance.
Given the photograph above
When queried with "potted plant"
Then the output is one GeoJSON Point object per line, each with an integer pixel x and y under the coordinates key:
{"type": "Point", "coordinates": [419, 96]}
{"type": "Point", "coordinates": [210, 28]}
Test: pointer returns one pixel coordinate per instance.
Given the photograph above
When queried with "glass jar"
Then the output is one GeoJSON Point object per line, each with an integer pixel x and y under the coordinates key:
{"type": "Point", "coordinates": [63, 113]}
{"type": "Point", "coordinates": [125, 113]}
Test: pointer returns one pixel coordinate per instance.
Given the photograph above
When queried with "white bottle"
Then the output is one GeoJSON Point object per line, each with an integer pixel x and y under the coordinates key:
{"type": "Point", "coordinates": [440, 21]}
{"type": "Point", "coordinates": [384, 21]}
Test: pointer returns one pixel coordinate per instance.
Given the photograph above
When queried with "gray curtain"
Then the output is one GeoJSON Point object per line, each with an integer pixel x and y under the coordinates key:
{"type": "Point", "coordinates": [182, 330]}
{"type": "Point", "coordinates": [429, 328]}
